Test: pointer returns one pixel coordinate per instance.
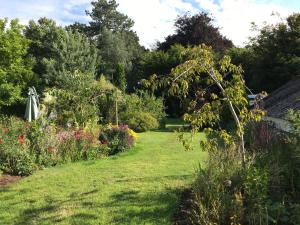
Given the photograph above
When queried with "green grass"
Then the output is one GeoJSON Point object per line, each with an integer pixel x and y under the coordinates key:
{"type": "Point", "coordinates": [175, 123]}
{"type": "Point", "coordinates": [141, 186]}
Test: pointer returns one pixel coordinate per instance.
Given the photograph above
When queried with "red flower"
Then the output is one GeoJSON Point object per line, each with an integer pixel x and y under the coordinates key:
{"type": "Point", "coordinates": [21, 139]}
{"type": "Point", "coordinates": [1, 141]}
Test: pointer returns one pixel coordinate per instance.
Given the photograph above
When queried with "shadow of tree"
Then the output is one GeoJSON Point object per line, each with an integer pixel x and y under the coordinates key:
{"type": "Point", "coordinates": [126, 207]}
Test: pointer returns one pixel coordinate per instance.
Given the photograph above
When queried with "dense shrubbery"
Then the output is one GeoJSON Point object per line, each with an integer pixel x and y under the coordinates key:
{"type": "Point", "coordinates": [117, 138]}
{"type": "Point", "coordinates": [142, 112]}
{"type": "Point", "coordinates": [25, 147]}
{"type": "Point", "coordinates": [15, 155]}
{"type": "Point", "coordinates": [267, 192]}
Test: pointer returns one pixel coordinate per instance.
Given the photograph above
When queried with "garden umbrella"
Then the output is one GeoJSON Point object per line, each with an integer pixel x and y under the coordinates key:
{"type": "Point", "coordinates": [32, 107]}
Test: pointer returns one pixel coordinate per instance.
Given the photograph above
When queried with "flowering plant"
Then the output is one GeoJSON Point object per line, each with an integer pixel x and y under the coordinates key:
{"type": "Point", "coordinates": [118, 138]}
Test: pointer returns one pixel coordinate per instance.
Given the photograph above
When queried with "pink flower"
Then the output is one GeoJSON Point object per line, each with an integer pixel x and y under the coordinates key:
{"type": "Point", "coordinates": [77, 135]}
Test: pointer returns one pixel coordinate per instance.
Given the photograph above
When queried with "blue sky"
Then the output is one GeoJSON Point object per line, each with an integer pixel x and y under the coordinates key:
{"type": "Point", "coordinates": [154, 19]}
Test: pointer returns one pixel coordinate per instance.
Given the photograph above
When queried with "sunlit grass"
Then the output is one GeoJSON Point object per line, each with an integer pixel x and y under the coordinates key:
{"type": "Point", "coordinates": [137, 187]}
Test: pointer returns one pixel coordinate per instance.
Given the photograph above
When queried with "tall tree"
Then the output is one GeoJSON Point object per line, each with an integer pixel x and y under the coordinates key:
{"type": "Point", "coordinates": [43, 36]}
{"type": "Point", "coordinates": [273, 57]}
{"type": "Point", "coordinates": [75, 52]}
{"type": "Point", "coordinates": [195, 30]}
{"type": "Point", "coordinates": [117, 43]}
{"type": "Point", "coordinates": [105, 15]}
{"type": "Point", "coordinates": [15, 67]}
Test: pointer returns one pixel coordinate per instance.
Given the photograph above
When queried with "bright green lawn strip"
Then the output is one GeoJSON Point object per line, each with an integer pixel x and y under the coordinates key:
{"type": "Point", "coordinates": [138, 187]}
{"type": "Point", "coordinates": [175, 123]}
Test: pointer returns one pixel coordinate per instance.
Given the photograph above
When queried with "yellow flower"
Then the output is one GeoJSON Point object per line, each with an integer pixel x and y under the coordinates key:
{"type": "Point", "coordinates": [133, 134]}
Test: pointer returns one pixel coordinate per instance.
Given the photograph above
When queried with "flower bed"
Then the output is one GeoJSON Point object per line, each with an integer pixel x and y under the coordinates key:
{"type": "Point", "coordinates": [26, 147]}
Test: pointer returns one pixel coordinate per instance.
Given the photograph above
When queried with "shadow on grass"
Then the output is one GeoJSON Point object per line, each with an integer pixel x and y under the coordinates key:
{"type": "Point", "coordinates": [145, 208]}
{"type": "Point", "coordinates": [123, 207]}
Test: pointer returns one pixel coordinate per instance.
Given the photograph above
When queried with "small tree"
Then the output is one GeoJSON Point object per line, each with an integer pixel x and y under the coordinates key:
{"type": "Point", "coordinates": [225, 87]}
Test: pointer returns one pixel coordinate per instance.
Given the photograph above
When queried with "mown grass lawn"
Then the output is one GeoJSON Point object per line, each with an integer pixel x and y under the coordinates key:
{"type": "Point", "coordinates": [137, 187]}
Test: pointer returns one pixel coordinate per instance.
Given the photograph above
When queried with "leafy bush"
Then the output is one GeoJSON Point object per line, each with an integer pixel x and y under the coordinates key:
{"type": "Point", "coordinates": [73, 102]}
{"type": "Point", "coordinates": [266, 192]}
{"type": "Point", "coordinates": [25, 147]}
{"type": "Point", "coordinates": [117, 138]}
{"type": "Point", "coordinates": [142, 112]}
{"type": "Point", "coordinates": [15, 155]}
{"type": "Point", "coordinates": [141, 121]}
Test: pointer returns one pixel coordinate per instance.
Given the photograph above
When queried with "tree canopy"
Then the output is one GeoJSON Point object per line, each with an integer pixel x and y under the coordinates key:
{"type": "Point", "coordinates": [273, 57]}
{"type": "Point", "coordinates": [195, 30]}
{"type": "Point", "coordinates": [15, 67]}
{"type": "Point", "coordinates": [105, 15]}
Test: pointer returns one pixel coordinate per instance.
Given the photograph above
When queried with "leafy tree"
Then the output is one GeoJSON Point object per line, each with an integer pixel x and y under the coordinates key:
{"type": "Point", "coordinates": [43, 36]}
{"type": "Point", "coordinates": [111, 30]}
{"type": "Point", "coordinates": [195, 30]}
{"type": "Point", "coordinates": [15, 67]}
{"type": "Point", "coordinates": [206, 106]}
{"type": "Point", "coordinates": [75, 52]}
{"type": "Point", "coordinates": [273, 57]}
{"type": "Point", "coordinates": [80, 27]}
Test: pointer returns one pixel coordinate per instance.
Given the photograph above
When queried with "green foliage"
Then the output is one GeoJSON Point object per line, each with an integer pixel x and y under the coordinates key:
{"type": "Point", "coordinates": [75, 101]}
{"type": "Point", "coordinates": [159, 63]}
{"type": "Point", "coordinates": [75, 52]}
{"type": "Point", "coordinates": [208, 102]}
{"type": "Point", "coordinates": [107, 99]}
{"type": "Point", "coordinates": [117, 48]}
{"type": "Point", "coordinates": [140, 121]}
{"type": "Point", "coordinates": [15, 152]}
{"type": "Point", "coordinates": [142, 112]}
{"type": "Point", "coordinates": [117, 138]}
{"type": "Point", "coordinates": [294, 118]}
{"type": "Point", "coordinates": [43, 35]}
{"type": "Point", "coordinates": [26, 147]}
{"type": "Point", "coordinates": [273, 57]}
{"type": "Point", "coordinates": [15, 67]}
{"type": "Point", "coordinates": [217, 191]}
{"type": "Point", "coordinates": [104, 14]}
{"type": "Point", "coordinates": [120, 77]}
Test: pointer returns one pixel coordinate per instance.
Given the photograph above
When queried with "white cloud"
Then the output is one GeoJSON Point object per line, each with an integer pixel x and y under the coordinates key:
{"type": "Point", "coordinates": [235, 16]}
{"type": "Point", "coordinates": [154, 19]}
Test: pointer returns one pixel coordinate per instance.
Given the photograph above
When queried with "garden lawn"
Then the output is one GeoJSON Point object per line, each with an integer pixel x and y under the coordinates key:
{"type": "Point", "coordinates": [141, 186]}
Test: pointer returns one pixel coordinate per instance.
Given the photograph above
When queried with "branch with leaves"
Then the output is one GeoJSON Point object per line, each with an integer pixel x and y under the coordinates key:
{"type": "Point", "coordinates": [206, 106]}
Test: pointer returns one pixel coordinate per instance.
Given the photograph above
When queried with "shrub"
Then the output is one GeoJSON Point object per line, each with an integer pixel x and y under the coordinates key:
{"type": "Point", "coordinates": [142, 112]}
{"type": "Point", "coordinates": [73, 102]}
{"type": "Point", "coordinates": [266, 192]}
{"type": "Point", "coordinates": [141, 121]}
{"type": "Point", "coordinates": [15, 155]}
{"type": "Point", "coordinates": [117, 138]}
